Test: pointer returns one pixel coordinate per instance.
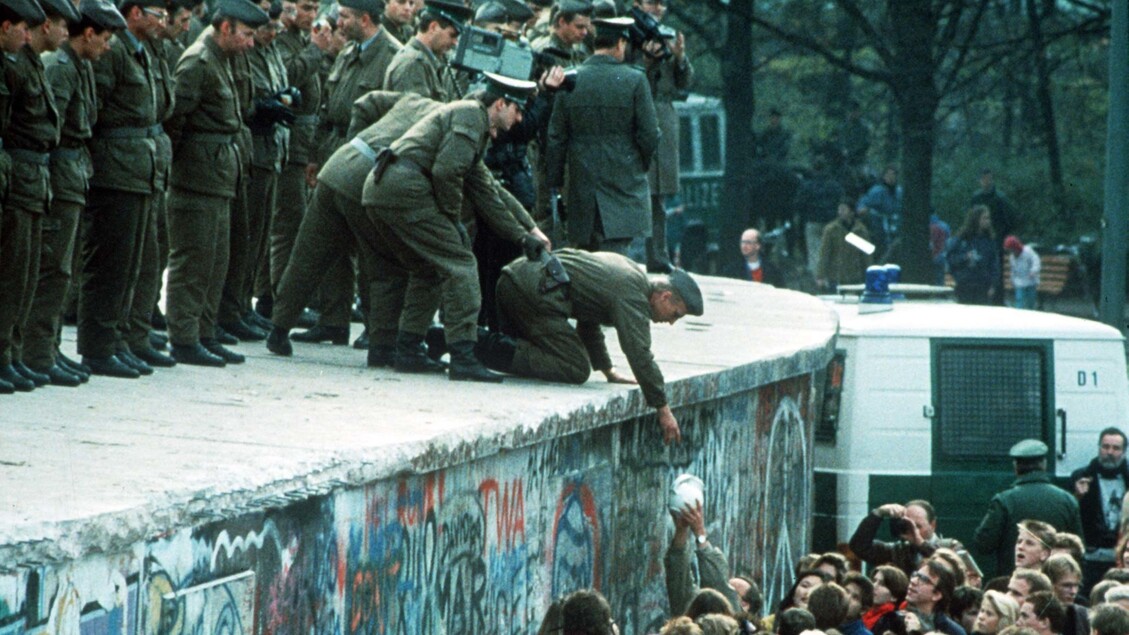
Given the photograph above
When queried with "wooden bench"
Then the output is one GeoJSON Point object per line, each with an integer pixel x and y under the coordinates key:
{"type": "Point", "coordinates": [1054, 274]}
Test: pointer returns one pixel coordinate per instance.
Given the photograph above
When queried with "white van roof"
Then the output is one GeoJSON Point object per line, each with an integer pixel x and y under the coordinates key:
{"type": "Point", "coordinates": [942, 319]}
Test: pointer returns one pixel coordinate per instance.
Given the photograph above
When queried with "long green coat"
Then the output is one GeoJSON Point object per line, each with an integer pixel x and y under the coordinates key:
{"type": "Point", "coordinates": [1031, 497]}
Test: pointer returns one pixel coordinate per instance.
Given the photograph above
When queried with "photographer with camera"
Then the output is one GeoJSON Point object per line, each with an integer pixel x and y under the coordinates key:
{"type": "Point", "coordinates": [915, 523]}
{"type": "Point", "coordinates": [670, 74]}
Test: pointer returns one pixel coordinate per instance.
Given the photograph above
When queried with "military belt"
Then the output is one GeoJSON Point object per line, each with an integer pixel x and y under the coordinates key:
{"type": "Point", "coordinates": [66, 154]}
{"type": "Point", "coordinates": [363, 148]}
{"type": "Point", "coordinates": [208, 137]}
{"type": "Point", "coordinates": [30, 156]}
{"type": "Point", "coordinates": [305, 120]}
{"type": "Point", "coordinates": [130, 132]}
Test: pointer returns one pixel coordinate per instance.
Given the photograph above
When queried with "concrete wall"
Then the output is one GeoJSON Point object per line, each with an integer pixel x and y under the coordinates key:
{"type": "Point", "coordinates": [480, 546]}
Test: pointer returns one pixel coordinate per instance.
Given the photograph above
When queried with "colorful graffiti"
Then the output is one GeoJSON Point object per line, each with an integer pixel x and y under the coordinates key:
{"type": "Point", "coordinates": [479, 547]}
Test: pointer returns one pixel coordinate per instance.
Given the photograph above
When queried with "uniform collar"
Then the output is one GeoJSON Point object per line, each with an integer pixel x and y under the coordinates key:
{"type": "Point", "coordinates": [132, 40]}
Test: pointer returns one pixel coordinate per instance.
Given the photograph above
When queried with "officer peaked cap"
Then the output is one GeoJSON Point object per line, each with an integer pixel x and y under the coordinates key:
{"type": "Point", "coordinates": [582, 7]}
{"type": "Point", "coordinates": [62, 8]}
{"type": "Point", "coordinates": [1029, 449]}
{"type": "Point", "coordinates": [491, 12]}
{"type": "Point", "coordinates": [515, 90]}
{"type": "Point", "coordinates": [103, 14]}
{"type": "Point", "coordinates": [28, 10]}
{"type": "Point", "coordinates": [517, 11]}
{"type": "Point", "coordinates": [453, 12]}
{"type": "Point", "coordinates": [243, 11]}
{"type": "Point", "coordinates": [688, 290]}
{"type": "Point", "coordinates": [619, 26]}
{"type": "Point", "coordinates": [372, 7]}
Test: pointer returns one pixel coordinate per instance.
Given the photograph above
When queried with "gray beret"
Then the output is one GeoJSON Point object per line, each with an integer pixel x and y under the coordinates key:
{"type": "Point", "coordinates": [102, 13]}
{"type": "Point", "coordinates": [688, 290]}
{"type": "Point", "coordinates": [28, 10]}
{"type": "Point", "coordinates": [1028, 449]}
{"type": "Point", "coordinates": [243, 11]}
{"type": "Point", "coordinates": [62, 8]}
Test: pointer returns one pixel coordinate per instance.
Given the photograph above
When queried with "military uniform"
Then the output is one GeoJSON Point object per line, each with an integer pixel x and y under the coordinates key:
{"type": "Point", "coordinates": [72, 86]}
{"type": "Point", "coordinates": [271, 142]}
{"type": "Point", "coordinates": [170, 52]}
{"type": "Point", "coordinates": [205, 129]}
{"type": "Point", "coordinates": [1032, 497]}
{"type": "Point", "coordinates": [606, 132]}
{"type": "Point", "coordinates": [303, 62]}
{"type": "Point", "coordinates": [402, 32]}
{"type": "Point", "coordinates": [31, 134]}
{"type": "Point", "coordinates": [416, 69]}
{"type": "Point", "coordinates": [669, 80]}
{"type": "Point", "coordinates": [119, 206]}
{"type": "Point", "coordinates": [420, 199]}
{"type": "Point", "coordinates": [359, 69]}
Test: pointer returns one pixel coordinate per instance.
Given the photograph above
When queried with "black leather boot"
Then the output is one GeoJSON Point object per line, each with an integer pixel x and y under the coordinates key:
{"type": "Point", "coordinates": [278, 342]}
{"type": "Point", "coordinates": [496, 352]}
{"type": "Point", "coordinates": [16, 380]}
{"type": "Point", "coordinates": [381, 356]}
{"type": "Point", "coordinates": [411, 356]}
{"type": "Point", "coordinates": [466, 367]}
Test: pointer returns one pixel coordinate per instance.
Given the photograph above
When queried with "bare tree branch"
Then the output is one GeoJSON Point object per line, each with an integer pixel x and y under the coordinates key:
{"type": "Point", "coordinates": [833, 58]}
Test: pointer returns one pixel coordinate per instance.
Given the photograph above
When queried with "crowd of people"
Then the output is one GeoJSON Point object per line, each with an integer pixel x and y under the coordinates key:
{"type": "Point", "coordinates": [1062, 569]}
{"type": "Point", "coordinates": [304, 156]}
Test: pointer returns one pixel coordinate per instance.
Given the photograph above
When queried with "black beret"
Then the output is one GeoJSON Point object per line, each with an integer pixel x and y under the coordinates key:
{"type": "Point", "coordinates": [102, 13]}
{"type": "Point", "coordinates": [28, 10]}
{"type": "Point", "coordinates": [243, 11]}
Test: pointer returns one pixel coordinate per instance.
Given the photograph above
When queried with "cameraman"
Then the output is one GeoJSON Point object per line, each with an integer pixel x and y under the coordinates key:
{"type": "Point", "coordinates": [670, 74]}
{"type": "Point", "coordinates": [916, 526]}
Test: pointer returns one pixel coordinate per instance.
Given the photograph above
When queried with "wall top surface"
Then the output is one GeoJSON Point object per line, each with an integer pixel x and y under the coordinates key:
{"type": "Point", "coordinates": [116, 461]}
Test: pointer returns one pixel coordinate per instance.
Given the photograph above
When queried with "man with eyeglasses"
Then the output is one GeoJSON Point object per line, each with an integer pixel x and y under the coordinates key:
{"type": "Point", "coordinates": [930, 591]}
{"type": "Point", "coordinates": [1100, 487]}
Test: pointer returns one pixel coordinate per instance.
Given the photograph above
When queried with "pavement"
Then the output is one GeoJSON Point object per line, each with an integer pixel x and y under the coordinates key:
{"type": "Point", "coordinates": [115, 461]}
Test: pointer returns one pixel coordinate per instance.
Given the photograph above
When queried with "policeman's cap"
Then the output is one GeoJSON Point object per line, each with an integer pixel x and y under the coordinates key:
{"type": "Point", "coordinates": [617, 26]}
{"type": "Point", "coordinates": [243, 11]}
{"type": "Point", "coordinates": [372, 7]}
{"type": "Point", "coordinates": [1029, 449]}
{"type": "Point", "coordinates": [103, 14]}
{"type": "Point", "coordinates": [688, 290]}
{"type": "Point", "coordinates": [62, 8]}
{"type": "Point", "coordinates": [510, 89]}
{"type": "Point", "coordinates": [517, 11]}
{"type": "Point", "coordinates": [28, 10]}
{"type": "Point", "coordinates": [454, 12]}
{"type": "Point", "coordinates": [604, 9]}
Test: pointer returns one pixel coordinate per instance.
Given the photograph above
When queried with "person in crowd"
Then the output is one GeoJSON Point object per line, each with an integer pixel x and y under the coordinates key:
{"type": "Point", "coordinates": [881, 211]}
{"type": "Point", "coordinates": [997, 611]}
{"type": "Point", "coordinates": [840, 262]}
{"type": "Point", "coordinates": [1100, 488]}
{"type": "Point", "coordinates": [708, 602]}
{"type": "Point", "coordinates": [966, 606]}
{"type": "Point", "coordinates": [774, 141]}
{"type": "Point", "coordinates": [1042, 613]}
{"type": "Point", "coordinates": [586, 612]}
{"type": "Point", "coordinates": [1118, 595]}
{"type": "Point", "coordinates": [816, 201]}
{"type": "Point", "coordinates": [939, 234]}
{"type": "Point", "coordinates": [1033, 544]}
{"type": "Point", "coordinates": [604, 133]}
{"type": "Point", "coordinates": [1025, 266]}
{"type": "Point", "coordinates": [1066, 576]}
{"type": "Point", "coordinates": [797, 596]}
{"type": "Point", "coordinates": [421, 65]}
{"type": "Point", "coordinates": [928, 596]}
{"type": "Point", "coordinates": [890, 585]}
{"type": "Point", "coordinates": [603, 289]}
{"type": "Point", "coordinates": [793, 621]}
{"type": "Point", "coordinates": [974, 258]}
{"type": "Point", "coordinates": [716, 624]}
{"type": "Point", "coordinates": [679, 559]}
{"type": "Point", "coordinates": [753, 265]}
{"type": "Point", "coordinates": [829, 603]}
{"type": "Point", "coordinates": [915, 524]}
{"type": "Point", "coordinates": [1069, 544]}
{"type": "Point", "coordinates": [399, 19]}
{"type": "Point", "coordinates": [1005, 219]}
{"type": "Point", "coordinates": [1024, 582]}
{"type": "Point", "coordinates": [860, 592]}
{"type": "Point", "coordinates": [1097, 593]}
{"type": "Point", "coordinates": [1109, 619]}
{"type": "Point", "coordinates": [680, 625]}
{"type": "Point", "coordinates": [1031, 497]}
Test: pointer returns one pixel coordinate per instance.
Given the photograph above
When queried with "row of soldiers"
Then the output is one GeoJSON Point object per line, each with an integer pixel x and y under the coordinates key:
{"type": "Point", "coordinates": [222, 151]}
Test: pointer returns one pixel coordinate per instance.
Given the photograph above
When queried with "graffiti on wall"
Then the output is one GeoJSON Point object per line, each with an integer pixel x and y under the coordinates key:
{"type": "Point", "coordinates": [480, 547]}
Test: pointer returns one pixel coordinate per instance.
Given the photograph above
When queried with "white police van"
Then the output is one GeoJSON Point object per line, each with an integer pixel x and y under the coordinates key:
{"type": "Point", "coordinates": [926, 399]}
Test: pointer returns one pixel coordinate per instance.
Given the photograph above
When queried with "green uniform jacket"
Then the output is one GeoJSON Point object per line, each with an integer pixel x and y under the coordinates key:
{"type": "Point", "coordinates": [669, 80]}
{"type": "Point", "coordinates": [576, 55]}
{"type": "Point", "coordinates": [402, 32]}
{"type": "Point", "coordinates": [268, 76]}
{"type": "Point", "coordinates": [449, 144]}
{"type": "Point", "coordinates": [159, 50]}
{"type": "Point", "coordinates": [206, 123]}
{"type": "Point", "coordinates": [610, 290]}
{"type": "Point", "coordinates": [241, 75]}
{"type": "Point", "coordinates": [606, 132]}
{"type": "Point", "coordinates": [303, 61]}
{"type": "Point", "coordinates": [34, 127]}
{"type": "Point", "coordinates": [124, 148]}
{"type": "Point", "coordinates": [355, 73]}
{"type": "Point", "coordinates": [1031, 497]}
{"type": "Point", "coordinates": [416, 69]}
{"type": "Point", "coordinates": [72, 84]}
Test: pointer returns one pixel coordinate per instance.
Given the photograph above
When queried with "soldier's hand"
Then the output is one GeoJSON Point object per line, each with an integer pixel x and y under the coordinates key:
{"type": "Point", "coordinates": [1082, 486]}
{"type": "Point", "coordinates": [614, 377]}
{"type": "Point", "coordinates": [312, 174]}
{"type": "Point", "coordinates": [540, 235]}
{"type": "Point", "coordinates": [552, 78]}
{"type": "Point", "coordinates": [669, 426]}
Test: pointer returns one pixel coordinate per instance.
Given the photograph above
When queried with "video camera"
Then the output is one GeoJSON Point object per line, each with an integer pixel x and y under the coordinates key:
{"type": "Point", "coordinates": [647, 29]}
{"type": "Point", "coordinates": [485, 51]}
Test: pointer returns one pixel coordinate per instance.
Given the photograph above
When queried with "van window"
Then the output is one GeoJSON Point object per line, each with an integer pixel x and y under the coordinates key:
{"type": "Point", "coordinates": [989, 395]}
{"type": "Point", "coordinates": [711, 142]}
